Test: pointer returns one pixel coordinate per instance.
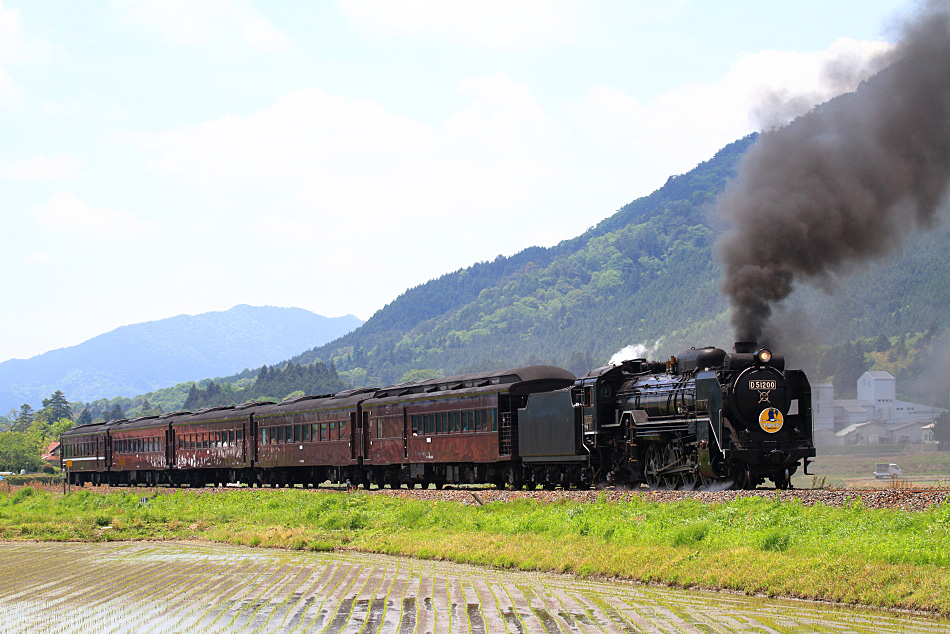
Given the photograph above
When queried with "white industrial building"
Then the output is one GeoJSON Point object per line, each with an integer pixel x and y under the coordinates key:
{"type": "Point", "coordinates": [876, 416]}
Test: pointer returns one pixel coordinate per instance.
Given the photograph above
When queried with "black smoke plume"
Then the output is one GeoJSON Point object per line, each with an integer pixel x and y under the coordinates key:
{"type": "Point", "coordinates": [842, 184]}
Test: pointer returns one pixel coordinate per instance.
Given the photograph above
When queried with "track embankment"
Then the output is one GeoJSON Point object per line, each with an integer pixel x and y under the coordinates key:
{"type": "Point", "coordinates": [903, 499]}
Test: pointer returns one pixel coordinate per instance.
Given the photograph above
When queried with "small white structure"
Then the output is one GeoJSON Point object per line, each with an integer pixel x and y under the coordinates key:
{"type": "Point", "coordinates": [911, 432]}
{"type": "Point", "coordinates": [869, 433]}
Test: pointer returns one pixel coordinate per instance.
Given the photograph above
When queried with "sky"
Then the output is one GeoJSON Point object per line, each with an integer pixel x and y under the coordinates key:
{"type": "Point", "coordinates": [166, 157]}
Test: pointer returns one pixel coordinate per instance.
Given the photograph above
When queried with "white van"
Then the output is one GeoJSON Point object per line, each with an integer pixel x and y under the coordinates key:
{"type": "Point", "coordinates": [885, 471]}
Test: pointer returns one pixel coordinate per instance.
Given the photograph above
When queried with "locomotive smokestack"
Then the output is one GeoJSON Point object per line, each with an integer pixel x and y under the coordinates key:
{"type": "Point", "coordinates": [842, 184]}
{"type": "Point", "coordinates": [745, 347]}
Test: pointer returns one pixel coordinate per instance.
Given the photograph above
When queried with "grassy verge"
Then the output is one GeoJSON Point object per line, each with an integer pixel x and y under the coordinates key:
{"type": "Point", "coordinates": [885, 558]}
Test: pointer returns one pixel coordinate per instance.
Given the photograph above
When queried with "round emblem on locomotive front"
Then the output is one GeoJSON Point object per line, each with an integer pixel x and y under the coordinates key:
{"type": "Point", "coordinates": [771, 420]}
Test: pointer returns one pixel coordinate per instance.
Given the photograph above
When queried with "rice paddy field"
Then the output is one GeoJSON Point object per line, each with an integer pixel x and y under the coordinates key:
{"type": "Point", "coordinates": [768, 545]}
{"type": "Point", "coordinates": [156, 587]}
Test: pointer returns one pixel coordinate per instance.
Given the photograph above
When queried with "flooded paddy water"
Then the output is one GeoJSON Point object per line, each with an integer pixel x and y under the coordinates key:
{"type": "Point", "coordinates": [184, 587]}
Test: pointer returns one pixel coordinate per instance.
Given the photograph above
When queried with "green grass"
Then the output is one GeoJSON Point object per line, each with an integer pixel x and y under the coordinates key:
{"type": "Point", "coordinates": [887, 558]}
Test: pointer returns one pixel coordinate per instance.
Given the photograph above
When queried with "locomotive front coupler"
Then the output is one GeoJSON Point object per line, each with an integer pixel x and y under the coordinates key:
{"type": "Point", "coordinates": [805, 467]}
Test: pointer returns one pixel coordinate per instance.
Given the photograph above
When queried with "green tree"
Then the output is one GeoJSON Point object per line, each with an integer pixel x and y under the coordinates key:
{"type": "Point", "coordinates": [882, 344]}
{"type": "Point", "coordinates": [19, 450]}
{"type": "Point", "coordinates": [942, 432]}
{"type": "Point", "coordinates": [24, 419]}
{"type": "Point", "coordinates": [420, 375]}
{"type": "Point", "coordinates": [845, 363]}
{"type": "Point", "coordinates": [115, 413]}
{"type": "Point", "coordinates": [56, 407]}
{"type": "Point", "coordinates": [55, 430]}
{"type": "Point", "coordinates": [85, 417]}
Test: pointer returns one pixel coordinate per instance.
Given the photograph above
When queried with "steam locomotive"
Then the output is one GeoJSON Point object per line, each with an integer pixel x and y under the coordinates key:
{"type": "Point", "coordinates": [703, 417]}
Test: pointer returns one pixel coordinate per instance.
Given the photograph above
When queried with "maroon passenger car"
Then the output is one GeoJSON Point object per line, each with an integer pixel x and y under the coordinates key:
{"type": "Point", "coordinates": [456, 429]}
{"type": "Point", "coordinates": [212, 445]}
{"type": "Point", "coordinates": [85, 450]}
{"type": "Point", "coordinates": [140, 451]}
{"type": "Point", "coordinates": [310, 439]}
{"type": "Point", "coordinates": [460, 429]}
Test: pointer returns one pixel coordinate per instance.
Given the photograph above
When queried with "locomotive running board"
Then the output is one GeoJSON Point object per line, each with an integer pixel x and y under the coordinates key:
{"type": "Point", "coordinates": [657, 426]}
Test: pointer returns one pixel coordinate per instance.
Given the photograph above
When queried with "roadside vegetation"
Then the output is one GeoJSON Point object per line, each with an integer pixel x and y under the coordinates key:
{"type": "Point", "coordinates": [884, 558]}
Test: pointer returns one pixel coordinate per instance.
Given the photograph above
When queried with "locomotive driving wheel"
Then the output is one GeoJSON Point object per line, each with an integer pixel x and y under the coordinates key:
{"type": "Point", "coordinates": [652, 465]}
{"type": "Point", "coordinates": [689, 480]}
{"type": "Point", "coordinates": [674, 457]}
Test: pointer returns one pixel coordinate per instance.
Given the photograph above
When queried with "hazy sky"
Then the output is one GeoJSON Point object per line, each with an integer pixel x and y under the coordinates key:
{"type": "Point", "coordinates": [161, 157]}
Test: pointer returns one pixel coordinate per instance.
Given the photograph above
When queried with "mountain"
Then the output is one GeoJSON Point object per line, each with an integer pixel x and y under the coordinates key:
{"type": "Point", "coordinates": [143, 357]}
{"type": "Point", "coordinates": [642, 274]}
{"type": "Point", "coordinates": [645, 275]}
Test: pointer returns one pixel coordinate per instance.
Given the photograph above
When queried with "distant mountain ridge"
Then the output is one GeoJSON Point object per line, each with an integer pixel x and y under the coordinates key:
{"type": "Point", "coordinates": [143, 357]}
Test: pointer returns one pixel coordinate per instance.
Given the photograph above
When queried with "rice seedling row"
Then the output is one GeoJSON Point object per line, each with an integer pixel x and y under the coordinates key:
{"type": "Point", "coordinates": [221, 588]}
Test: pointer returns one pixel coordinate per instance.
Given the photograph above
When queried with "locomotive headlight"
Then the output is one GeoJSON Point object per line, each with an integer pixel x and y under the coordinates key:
{"type": "Point", "coordinates": [764, 355]}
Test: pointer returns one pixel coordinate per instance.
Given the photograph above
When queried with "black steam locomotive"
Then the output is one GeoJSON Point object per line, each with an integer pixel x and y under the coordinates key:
{"type": "Point", "coordinates": [703, 417]}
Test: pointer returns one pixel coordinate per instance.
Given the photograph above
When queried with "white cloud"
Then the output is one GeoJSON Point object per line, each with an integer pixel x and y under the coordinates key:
{"type": "Point", "coordinates": [10, 94]}
{"type": "Point", "coordinates": [52, 107]}
{"type": "Point", "coordinates": [41, 258]}
{"type": "Point", "coordinates": [210, 24]}
{"type": "Point", "coordinates": [367, 202]}
{"type": "Point", "coordinates": [64, 212]}
{"type": "Point", "coordinates": [16, 47]}
{"type": "Point", "coordinates": [13, 46]}
{"type": "Point", "coordinates": [488, 23]}
{"type": "Point", "coordinates": [39, 167]}
{"type": "Point", "coordinates": [777, 86]}
{"type": "Point", "coordinates": [13, 49]}
{"type": "Point", "coordinates": [348, 186]}
{"type": "Point", "coordinates": [337, 156]}
{"type": "Point", "coordinates": [202, 271]}
{"type": "Point", "coordinates": [688, 124]}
